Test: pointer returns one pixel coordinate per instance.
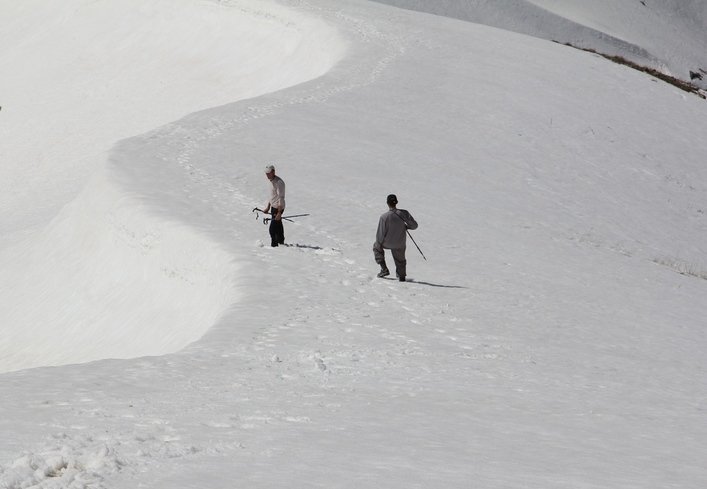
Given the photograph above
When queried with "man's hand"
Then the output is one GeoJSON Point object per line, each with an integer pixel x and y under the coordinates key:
{"type": "Point", "coordinates": [278, 216]}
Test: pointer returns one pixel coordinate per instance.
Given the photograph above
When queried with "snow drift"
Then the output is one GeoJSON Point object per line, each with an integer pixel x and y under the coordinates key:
{"type": "Point", "coordinates": [84, 75]}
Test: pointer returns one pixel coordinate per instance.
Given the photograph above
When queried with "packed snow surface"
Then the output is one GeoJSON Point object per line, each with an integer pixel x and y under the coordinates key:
{"type": "Point", "coordinates": [149, 337]}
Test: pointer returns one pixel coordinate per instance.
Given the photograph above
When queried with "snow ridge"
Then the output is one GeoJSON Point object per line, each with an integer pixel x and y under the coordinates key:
{"type": "Point", "coordinates": [638, 31]}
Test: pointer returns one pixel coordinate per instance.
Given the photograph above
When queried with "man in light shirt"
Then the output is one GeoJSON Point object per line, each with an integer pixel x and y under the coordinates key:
{"type": "Point", "coordinates": [275, 206]}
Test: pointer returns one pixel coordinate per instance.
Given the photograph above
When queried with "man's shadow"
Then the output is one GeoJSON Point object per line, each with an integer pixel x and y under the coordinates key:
{"type": "Point", "coordinates": [429, 284]}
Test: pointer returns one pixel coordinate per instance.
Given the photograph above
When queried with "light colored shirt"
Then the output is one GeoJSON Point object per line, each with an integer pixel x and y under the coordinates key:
{"type": "Point", "coordinates": [277, 193]}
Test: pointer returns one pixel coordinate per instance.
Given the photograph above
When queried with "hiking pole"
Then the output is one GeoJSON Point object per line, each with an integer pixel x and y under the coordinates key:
{"type": "Point", "coordinates": [286, 218]}
{"type": "Point", "coordinates": [418, 248]}
{"type": "Point", "coordinates": [266, 220]}
{"type": "Point", "coordinates": [295, 215]}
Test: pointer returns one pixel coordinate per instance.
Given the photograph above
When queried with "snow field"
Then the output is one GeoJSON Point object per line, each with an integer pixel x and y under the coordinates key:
{"type": "Point", "coordinates": [540, 346]}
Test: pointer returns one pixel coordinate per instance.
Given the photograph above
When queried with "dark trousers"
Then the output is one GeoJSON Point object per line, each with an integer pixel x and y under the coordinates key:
{"type": "Point", "coordinates": [277, 231]}
{"type": "Point", "coordinates": [398, 258]}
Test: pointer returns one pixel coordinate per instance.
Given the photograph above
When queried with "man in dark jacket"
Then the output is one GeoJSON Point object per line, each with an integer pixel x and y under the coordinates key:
{"type": "Point", "coordinates": [392, 235]}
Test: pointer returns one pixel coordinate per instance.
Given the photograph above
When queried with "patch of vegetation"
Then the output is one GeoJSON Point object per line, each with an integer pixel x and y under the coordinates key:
{"type": "Point", "coordinates": [681, 267]}
{"type": "Point", "coordinates": [681, 84]}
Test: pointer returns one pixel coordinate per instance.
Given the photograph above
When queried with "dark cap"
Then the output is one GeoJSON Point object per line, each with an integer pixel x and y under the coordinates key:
{"type": "Point", "coordinates": [392, 199]}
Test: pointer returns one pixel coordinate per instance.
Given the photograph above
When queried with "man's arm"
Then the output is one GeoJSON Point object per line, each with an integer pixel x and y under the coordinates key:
{"type": "Point", "coordinates": [406, 217]}
{"type": "Point", "coordinates": [280, 192]}
{"type": "Point", "coordinates": [382, 230]}
{"type": "Point", "coordinates": [410, 222]}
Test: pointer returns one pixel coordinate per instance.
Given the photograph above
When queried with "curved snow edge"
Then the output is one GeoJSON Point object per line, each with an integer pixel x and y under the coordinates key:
{"type": "Point", "coordinates": [109, 280]}
{"type": "Point", "coordinates": [110, 277]}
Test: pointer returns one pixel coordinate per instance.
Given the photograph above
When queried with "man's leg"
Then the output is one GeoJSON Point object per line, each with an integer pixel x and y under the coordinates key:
{"type": "Point", "coordinates": [276, 232]}
{"type": "Point", "coordinates": [400, 263]}
{"type": "Point", "coordinates": [280, 228]}
{"type": "Point", "coordinates": [379, 256]}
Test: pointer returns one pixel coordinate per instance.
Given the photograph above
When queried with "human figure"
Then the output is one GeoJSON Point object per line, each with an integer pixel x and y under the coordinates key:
{"type": "Point", "coordinates": [392, 235]}
{"type": "Point", "coordinates": [275, 206]}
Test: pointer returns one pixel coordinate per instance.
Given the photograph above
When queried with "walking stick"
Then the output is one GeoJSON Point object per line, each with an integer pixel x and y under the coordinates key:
{"type": "Point", "coordinates": [418, 248]}
{"type": "Point", "coordinates": [413, 239]}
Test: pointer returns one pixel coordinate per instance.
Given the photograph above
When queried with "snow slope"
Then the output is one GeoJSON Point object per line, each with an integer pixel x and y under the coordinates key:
{"type": "Point", "coordinates": [554, 338]}
{"type": "Point", "coordinates": [668, 35]}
